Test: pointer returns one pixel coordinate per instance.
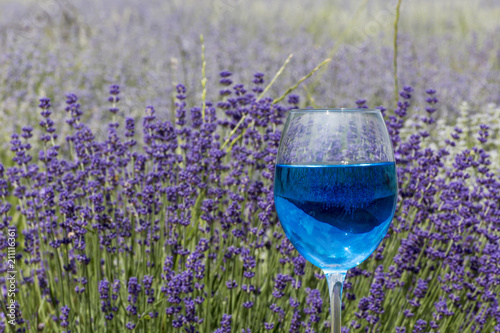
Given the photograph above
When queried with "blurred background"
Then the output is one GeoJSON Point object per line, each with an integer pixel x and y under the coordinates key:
{"type": "Point", "coordinates": [52, 47]}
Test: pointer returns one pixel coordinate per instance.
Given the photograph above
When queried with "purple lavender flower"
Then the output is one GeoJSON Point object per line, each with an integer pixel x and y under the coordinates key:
{"type": "Point", "coordinates": [181, 213]}
{"type": "Point", "coordinates": [64, 316]}
{"type": "Point", "coordinates": [114, 91]}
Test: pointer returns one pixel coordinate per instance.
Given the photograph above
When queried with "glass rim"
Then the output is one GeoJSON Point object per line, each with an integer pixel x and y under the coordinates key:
{"type": "Point", "coordinates": [356, 110]}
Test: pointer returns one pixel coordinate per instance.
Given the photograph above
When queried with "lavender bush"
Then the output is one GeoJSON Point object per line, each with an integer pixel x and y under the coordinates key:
{"type": "Point", "coordinates": [170, 226]}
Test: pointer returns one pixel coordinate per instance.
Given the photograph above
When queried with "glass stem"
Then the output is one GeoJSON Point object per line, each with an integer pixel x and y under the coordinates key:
{"type": "Point", "coordinates": [335, 284]}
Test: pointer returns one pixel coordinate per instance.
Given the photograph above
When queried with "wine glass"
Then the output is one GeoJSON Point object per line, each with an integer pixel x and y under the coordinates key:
{"type": "Point", "coordinates": [335, 189]}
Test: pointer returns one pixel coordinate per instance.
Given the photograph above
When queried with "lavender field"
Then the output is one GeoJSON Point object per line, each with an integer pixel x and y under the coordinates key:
{"type": "Point", "coordinates": [139, 143]}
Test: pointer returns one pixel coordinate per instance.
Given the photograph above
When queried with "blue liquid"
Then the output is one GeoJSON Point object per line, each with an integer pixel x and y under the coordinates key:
{"type": "Point", "coordinates": [335, 215]}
